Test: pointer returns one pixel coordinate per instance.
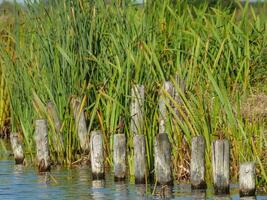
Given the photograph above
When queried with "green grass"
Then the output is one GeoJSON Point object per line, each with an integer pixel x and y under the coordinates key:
{"type": "Point", "coordinates": [99, 51]}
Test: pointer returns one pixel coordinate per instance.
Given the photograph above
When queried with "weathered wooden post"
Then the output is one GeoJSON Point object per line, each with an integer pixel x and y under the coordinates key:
{"type": "Point", "coordinates": [197, 169]}
{"type": "Point", "coordinates": [41, 140]}
{"type": "Point", "coordinates": [56, 125]}
{"type": "Point", "coordinates": [80, 122]}
{"type": "Point", "coordinates": [247, 179]}
{"type": "Point", "coordinates": [17, 148]}
{"type": "Point", "coordinates": [119, 157]}
{"type": "Point", "coordinates": [140, 168]}
{"type": "Point", "coordinates": [221, 166]}
{"type": "Point", "coordinates": [163, 101]}
{"type": "Point", "coordinates": [163, 167]}
{"type": "Point", "coordinates": [137, 109]}
{"type": "Point", "coordinates": [51, 110]}
{"type": "Point", "coordinates": [181, 84]}
{"type": "Point", "coordinates": [97, 155]}
{"type": "Point", "coordinates": [137, 125]}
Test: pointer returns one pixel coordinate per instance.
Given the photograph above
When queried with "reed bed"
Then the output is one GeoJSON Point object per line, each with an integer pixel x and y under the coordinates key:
{"type": "Point", "coordinates": [98, 51]}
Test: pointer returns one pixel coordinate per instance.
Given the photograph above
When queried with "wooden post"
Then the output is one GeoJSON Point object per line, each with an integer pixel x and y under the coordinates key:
{"type": "Point", "coordinates": [97, 155]}
{"type": "Point", "coordinates": [51, 110]}
{"type": "Point", "coordinates": [137, 125]}
{"type": "Point", "coordinates": [56, 124]}
{"type": "Point", "coordinates": [140, 159]}
{"type": "Point", "coordinates": [177, 95]}
{"type": "Point", "coordinates": [17, 148]}
{"type": "Point", "coordinates": [137, 109]}
{"type": "Point", "coordinates": [41, 139]}
{"type": "Point", "coordinates": [247, 179]}
{"type": "Point", "coordinates": [163, 101]}
{"type": "Point", "coordinates": [119, 157]}
{"type": "Point", "coordinates": [80, 122]}
{"type": "Point", "coordinates": [181, 84]}
{"type": "Point", "coordinates": [220, 166]}
{"type": "Point", "coordinates": [197, 169]}
{"type": "Point", "coordinates": [163, 168]}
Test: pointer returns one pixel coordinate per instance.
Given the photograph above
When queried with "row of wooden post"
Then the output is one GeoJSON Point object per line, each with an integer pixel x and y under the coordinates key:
{"type": "Point", "coordinates": [162, 149]}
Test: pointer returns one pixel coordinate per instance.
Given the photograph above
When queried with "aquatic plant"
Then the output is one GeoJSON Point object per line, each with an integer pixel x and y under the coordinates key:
{"type": "Point", "coordinates": [97, 51]}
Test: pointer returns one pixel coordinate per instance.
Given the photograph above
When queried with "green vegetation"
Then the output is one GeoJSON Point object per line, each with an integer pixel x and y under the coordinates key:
{"type": "Point", "coordinates": [98, 51]}
{"type": "Point", "coordinates": [6, 20]}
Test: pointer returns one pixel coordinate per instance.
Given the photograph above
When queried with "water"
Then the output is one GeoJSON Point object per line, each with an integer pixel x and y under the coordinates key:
{"type": "Point", "coordinates": [19, 182]}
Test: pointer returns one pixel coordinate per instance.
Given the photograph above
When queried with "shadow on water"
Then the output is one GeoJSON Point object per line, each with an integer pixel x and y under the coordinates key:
{"type": "Point", "coordinates": [20, 182]}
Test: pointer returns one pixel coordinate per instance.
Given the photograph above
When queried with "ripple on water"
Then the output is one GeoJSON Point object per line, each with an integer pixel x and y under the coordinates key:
{"type": "Point", "coordinates": [19, 182]}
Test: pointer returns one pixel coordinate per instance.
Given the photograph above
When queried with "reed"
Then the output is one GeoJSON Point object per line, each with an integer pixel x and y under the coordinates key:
{"type": "Point", "coordinates": [99, 51]}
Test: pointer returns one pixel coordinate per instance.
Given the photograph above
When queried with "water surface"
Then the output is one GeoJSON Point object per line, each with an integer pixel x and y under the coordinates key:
{"type": "Point", "coordinates": [19, 182]}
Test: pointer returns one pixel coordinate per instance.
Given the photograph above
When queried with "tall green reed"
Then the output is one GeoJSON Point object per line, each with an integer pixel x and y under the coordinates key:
{"type": "Point", "coordinates": [98, 51]}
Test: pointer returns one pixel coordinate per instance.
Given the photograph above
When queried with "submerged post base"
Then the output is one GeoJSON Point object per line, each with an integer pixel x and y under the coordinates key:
{"type": "Point", "coordinates": [98, 176]}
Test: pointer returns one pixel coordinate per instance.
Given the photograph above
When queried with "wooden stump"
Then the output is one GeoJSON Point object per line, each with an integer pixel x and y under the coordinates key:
{"type": "Point", "coordinates": [163, 102]}
{"type": "Point", "coordinates": [140, 159]}
{"type": "Point", "coordinates": [163, 167]}
{"type": "Point", "coordinates": [221, 166]}
{"type": "Point", "coordinates": [17, 148]}
{"type": "Point", "coordinates": [97, 155]}
{"type": "Point", "coordinates": [41, 140]}
{"type": "Point", "coordinates": [51, 110]}
{"type": "Point", "coordinates": [119, 157]}
{"type": "Point", "coordinates": [56, 125]}
{"type": "Point", "coordinates": [197, 169]}
{"type": "Point", "coordinates": [80, 122]}
{"type": "Point", "coordinates": [247, 179]}
{"type": "Point", "coordinates": [181, 84]}
{"type": "Point", "coordinates": [137, 109]}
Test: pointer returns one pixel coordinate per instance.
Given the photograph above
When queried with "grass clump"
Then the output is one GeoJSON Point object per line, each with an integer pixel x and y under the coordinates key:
{"type": "Point", "coordinates": [97, 51]}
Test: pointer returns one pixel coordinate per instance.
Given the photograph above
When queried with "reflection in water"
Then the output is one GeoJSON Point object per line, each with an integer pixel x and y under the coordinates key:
{"type": "Point", "coordinates": [163, 192]}
{"type": "Point", "coordinates": [21, 182]}
{"type": "Point", "coordinates": [140, 191]}
{"type": "Point", "coordinates": [199, 194]}
{"type": "Point", "coordinates": [248, 198]}
{"type": "Point", "coordinates": [121, 191]}
{"type": "Point", "coordinates": [18, 169]}
{"type": "Point", "coordinates": [98, 189]}
{"type": "Point", "coordinates": [83, 176]}
{"type": "Point", "coordinates": [223, 197]}
{"type": "Point", "coordinates": [44, 181]}
{"type": "Point", "coordinates": [44, 178]}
